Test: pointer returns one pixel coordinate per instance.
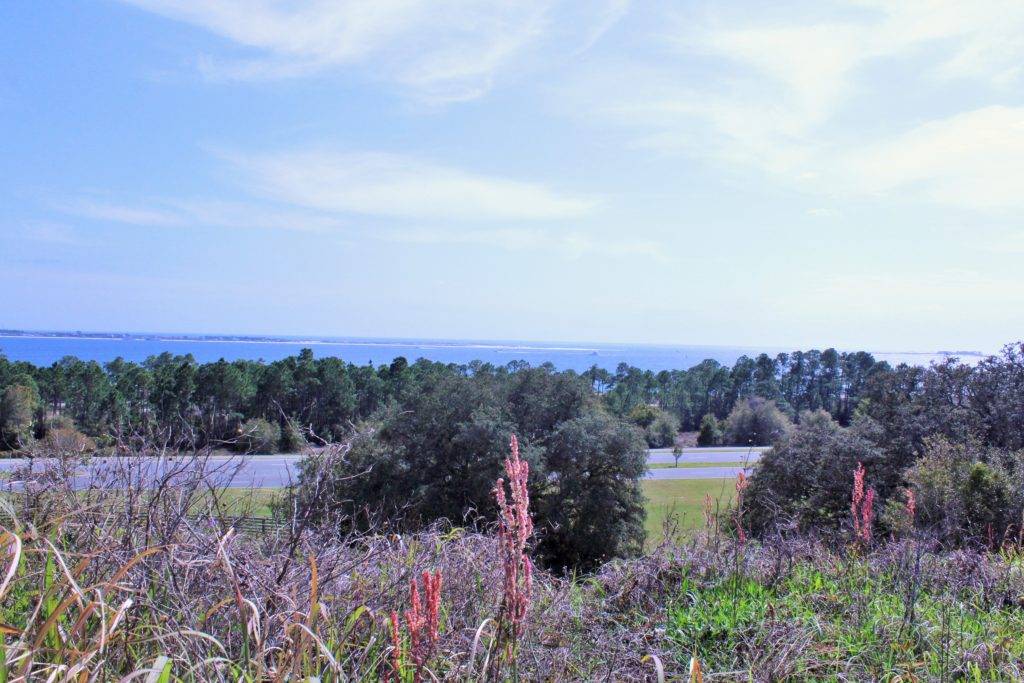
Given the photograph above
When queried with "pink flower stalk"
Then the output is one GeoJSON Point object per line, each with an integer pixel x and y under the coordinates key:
{"type": "Point", "coordinates": [911, 505]}
{"type": "Point", "coordinates": [709, 516]}
{"type": "Point", "coordinates": [741, 486]}
{"type": "Point", "coordinates": [514, 530]}
{"type": "Point", "coordinates": [423, 620]}
{"type": "Point", "coordinates": [862, 506]}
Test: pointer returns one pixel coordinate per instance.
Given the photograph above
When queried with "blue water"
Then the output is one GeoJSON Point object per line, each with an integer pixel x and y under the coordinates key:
{"type": "Point", "coordinates": [581, 356]}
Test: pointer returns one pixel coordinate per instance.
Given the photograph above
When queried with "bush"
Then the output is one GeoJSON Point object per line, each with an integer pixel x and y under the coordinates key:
{"type": "Point", "coordinates": [292, 439]}
{"type": "Point", "coordinates": [965, 494]}
{"type": "Point", "coordinates": [644, 415]}
{"type": "Point", "coordinates": [67, 441]}
{"type": "Point", "coordinates": [258, 436]}
{"type": "Point", "coordinates": [584, 481]}
{"type": "Point", "coordinates": [18, 405]}
{"type": "Point", "coordinates": [710, 431]}
{"type": "Point", "coordinates": [660, 427]}
{"type": "Point", "coordinates": [755, 422]}
{"type": "Point", "coordinates": [662, 432]}
{"type": "Point", "coordinates": [593, 507]}
{"type": "Point", "coordinates": [807, 477]}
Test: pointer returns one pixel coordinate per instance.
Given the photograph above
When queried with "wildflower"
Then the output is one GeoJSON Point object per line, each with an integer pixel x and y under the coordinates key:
{"type": "Point", "coordinates": [911, 505]}
{"type": "Point", "coordinates": [709, 516]}
{"type": "Point", "coordinates": [862, 506]}
{"type": "Point", "coordinates": [741, 486]}
{"type": "Point", "coordinates": [423, 620]}
{"type": "Point", "coordinates": [514, 530]}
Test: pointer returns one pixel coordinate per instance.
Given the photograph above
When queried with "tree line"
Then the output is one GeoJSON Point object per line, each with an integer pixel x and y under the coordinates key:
{"type": "Point", "coordinates": [172, 397]}
{"type": "Point", "coordinates": [426, 439]}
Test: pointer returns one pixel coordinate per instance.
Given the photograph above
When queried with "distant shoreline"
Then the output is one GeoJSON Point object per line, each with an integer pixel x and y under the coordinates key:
{"type": "Point", "coordinates": [386, 342]}
{"type": "Point", "coordinates": [426, 344]}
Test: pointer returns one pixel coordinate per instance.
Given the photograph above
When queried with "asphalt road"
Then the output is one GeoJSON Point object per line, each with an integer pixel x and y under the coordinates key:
{"type": "Point", "coordinates": [701, 455]}
{"type": "Point", "coordinates": [272, 471]}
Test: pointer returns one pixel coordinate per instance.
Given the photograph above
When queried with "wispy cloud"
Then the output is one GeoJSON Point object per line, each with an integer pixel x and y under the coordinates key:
{"type": "Point", "coordinates": [571, 244]}
{"type": "Point", "coordinates": [180, 213]}
{"type": "Point", "coordinates": [400, 186]}
{"type": "Point", "coordinates": [758, 89]}
{"type": "Point", "coordinates": [974, 159]}
{"type": "Point", "coordinates": [443, 51]}
{"type": "Point", "coordinates": [322, 192]}
{"type": "Point", "coordinates": [122, 213]}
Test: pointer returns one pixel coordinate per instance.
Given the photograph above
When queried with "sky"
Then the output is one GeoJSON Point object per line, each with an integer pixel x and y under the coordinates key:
{"type": "Point", "coordinates": [789, 174]}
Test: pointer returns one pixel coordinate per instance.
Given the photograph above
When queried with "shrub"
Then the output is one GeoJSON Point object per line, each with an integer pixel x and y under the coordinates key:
{"type": "Point", "coordinates": [258, 436]}
{"type": "Point", "coordinates": [67, 441]}
{"type": "Point", "coordinates": [966, 494]}
{"type": "Point", "coordinates": [710, 431]}
{"type": "Point", "coordinates": [292, 439]}
{"type": "Point", "coordinates": [18, 405]}
{"type": "Point", "coordinates": [593, 507]}
{"type": "Point", "coordinates": [807, 476]}
{"type": "Point", "coordinates": [662, 432]}
{"type": "Point", "coordinates": [755, 422]}
{"type": "Point", "coordinates": [644, 415]}
{"type": "Point", "coordinates": [660, 427]}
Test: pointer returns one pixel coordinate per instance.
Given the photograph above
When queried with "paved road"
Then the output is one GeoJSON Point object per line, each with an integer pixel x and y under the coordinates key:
{"type": "Point", "coordinates": [269, 471]}
{"type": "Point", "coordinates": [701, 455]}
{"type": "Point", "coordinates": [272, 471]}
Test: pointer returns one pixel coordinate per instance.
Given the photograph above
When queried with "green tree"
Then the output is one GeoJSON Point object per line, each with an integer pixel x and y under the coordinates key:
{"type": "Point", "coordinates": [710, 432]}
{"type": "Point", "coordinates": [662, 432]}
{"type": "Point", "coordinates": [807, 476]}
{"type": "Point", "coordinates": [593, 507]}
{"type": "Point", "coordinates": [18, 405]}
{"type": "Point", "coordinates": [755, 422]}
{"type": "Point", "coordinates": [258, 436]}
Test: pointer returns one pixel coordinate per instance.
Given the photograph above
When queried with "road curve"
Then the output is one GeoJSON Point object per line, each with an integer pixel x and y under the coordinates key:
{"type": "Point", "coordinates": [275, 471]}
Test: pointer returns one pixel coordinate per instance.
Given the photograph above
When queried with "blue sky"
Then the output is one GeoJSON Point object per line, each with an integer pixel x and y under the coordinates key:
{"type": "Point", "coordinates": [804, 174]}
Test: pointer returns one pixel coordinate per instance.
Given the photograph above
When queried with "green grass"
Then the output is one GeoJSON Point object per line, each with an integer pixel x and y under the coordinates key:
{"type": "Point", "coordinates": [254, 502]}
{"type": "Point", "coordinates": [690, 465]}
{"type": "Point", "coordinates": [684, 498]}
{"type": "Point", "coordinates": [234, 501]}
{"type": "Point", "coordinates": [853, 615]}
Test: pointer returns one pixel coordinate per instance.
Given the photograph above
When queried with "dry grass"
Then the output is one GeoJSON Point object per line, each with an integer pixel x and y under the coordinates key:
{"type": "Point", "coordinates": [129, 585]}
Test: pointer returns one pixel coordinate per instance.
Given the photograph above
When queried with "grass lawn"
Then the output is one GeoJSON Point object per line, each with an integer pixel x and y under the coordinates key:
{"type": "Point", "coordinates": [666, 465]}
{"type": "Point", "coordinates": [253, 502]}
{"type": "Point", "coordinates": [683, 497]}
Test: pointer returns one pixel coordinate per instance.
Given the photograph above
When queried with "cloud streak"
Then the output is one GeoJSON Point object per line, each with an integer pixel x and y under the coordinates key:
{"type": "Point", "coordinates": [443, 51]}
{"type": "Point", "coordinates": [399, 186]}
{"type": "Point", "coordinates": [787, 98]}
{"type": "Point", "coordinates": [572, 244]}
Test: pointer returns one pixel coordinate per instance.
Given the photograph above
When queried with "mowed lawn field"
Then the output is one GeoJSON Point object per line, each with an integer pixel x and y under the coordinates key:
{"type": "Point", "coordinates": [681, 497]}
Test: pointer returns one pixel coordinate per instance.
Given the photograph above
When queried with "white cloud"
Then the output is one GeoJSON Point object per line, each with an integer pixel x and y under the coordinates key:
{"type": "Point", "coordinates": [176, 213]}
{"type": "Point", "coordinates": [443, 50]}
{"type": "Point", "coordinates": [759, 90]}
{"type": "Point", "coordinates": [400, 186]}
{"type": "Point", "coordinates": [974, 159]}
{"type": "Point", "coordinates": [571, 244]}
{"type": "Point", "coordinates": [122, 213]}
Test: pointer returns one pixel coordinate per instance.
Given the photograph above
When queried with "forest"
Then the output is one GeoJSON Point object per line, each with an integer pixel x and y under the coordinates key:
{"type": "Point", "coordinates": [173, 398]}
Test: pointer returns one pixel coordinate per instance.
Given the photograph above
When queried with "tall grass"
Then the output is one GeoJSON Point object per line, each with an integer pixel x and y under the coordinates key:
{"type": "Point", "coordinates": [123, 581]}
